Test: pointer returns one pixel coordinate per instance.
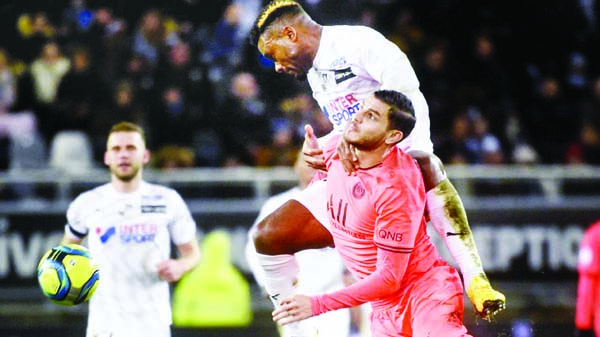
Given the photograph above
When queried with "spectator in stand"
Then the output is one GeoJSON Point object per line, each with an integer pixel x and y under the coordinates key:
{"type": "Point", "coordinates": [244, 120]}
{"type": "Point", "coordinates": [139, 72]}
{"type": "Point", "coordinates": [8, 84]}
{"type": "Point", "coordinates": [484, 144]}
{"type": "Point", "coordinates": [586, 149]}
{"type": "Point", "coordinates": [151, 37]}
{"type": "Point", "coordinates": [173, 157]}
{"type": "Point", "coordinates": [487, 83]}
{"type": "Point", "coordinates": [111, 43]}
{"type": "Point", "coordinates": [553, 122]}
{"type": "Point", "coordinates": [7, 98]}
{"type": "Point", "coordinates": [179, 69]}
{"type": "Point", "coordinates": [123, 105]}
{"type": "Point", "coordinates": [406, 32]}
{"type": "Point", "coordinates": [46, 73]}
{"type": "Point", "coordinates": [173, 120]}
{"type": "Point", "coordinates": [438, 81]}
{"type": "Point", "coordinates": [81, 95]}
{"type": "Point", "coordinates": [224, 50]}
{"type": "Point", "coordinates": [35, 31]}
{"type": "Point", "coordinates": [454, 149]}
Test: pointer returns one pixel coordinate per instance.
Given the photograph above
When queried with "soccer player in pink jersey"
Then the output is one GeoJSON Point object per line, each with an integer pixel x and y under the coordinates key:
{"type": "Point", "coordinates": [587, 309]}
{"type": "Point", "coordinates": [377, 219]}
{"type": "Point", "coordinates": [343, 65]}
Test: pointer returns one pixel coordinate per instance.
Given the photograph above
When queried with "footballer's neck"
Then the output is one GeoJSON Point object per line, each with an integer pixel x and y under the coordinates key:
{"type": "Point", "coordinates": [371, 157]}
{"type": "Point", "coordinates": [126, 186]}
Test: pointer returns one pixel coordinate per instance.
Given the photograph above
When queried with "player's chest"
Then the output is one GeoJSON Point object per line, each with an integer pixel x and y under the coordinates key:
{"type": "Point", "coordinates": [349, 206]}
{"type": "Point", "coordinates": [128, 221]}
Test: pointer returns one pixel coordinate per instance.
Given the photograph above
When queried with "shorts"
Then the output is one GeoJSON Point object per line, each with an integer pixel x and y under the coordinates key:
{"type": "Point", "coordinates": [432, 307]}
{"type": "Point", "coordinates": [314, 198]}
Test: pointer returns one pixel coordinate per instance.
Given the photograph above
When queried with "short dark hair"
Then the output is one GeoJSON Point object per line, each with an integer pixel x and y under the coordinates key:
{"type": "Point", "coordinates": [128, 127]}
{"type": "Point", "coordinates": [271, 12]}
{"type": "Point", "coordinates": [401, 114]}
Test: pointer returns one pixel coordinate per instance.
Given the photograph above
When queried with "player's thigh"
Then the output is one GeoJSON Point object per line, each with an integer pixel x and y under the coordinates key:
{"type": "Point", "coordinates": [295, 225]}
{"type": "Point", "coordinates": [314, 199]}
{"type": "Point", "coordinates": [440, 318]}
{"type": "Point", "coordinates": [438, 305]}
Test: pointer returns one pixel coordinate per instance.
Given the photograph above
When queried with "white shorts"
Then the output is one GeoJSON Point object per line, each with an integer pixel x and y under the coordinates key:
{"type": "Point", "coordinates": [314, 198]}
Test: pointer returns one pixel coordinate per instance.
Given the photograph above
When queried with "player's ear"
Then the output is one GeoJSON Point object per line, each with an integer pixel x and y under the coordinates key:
{"type": "Point", "coordinates": [394, 136]}
{"type": "Point", "coordinates": [290, 33]}
{"type": "Point", "coordinates": [106, 161]}
{"type": "Point", "coordinates": [146, 156]}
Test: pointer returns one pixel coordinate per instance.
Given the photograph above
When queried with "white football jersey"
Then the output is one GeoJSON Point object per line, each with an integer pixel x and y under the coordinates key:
{"type": "Point", "coordinates": [353, 62]}
{"type": "Point", "coordinates": [128, 235]}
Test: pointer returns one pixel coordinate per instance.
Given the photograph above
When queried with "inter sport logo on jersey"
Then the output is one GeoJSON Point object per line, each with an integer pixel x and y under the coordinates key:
{"type": "Point", "coordinates": [341, 109]}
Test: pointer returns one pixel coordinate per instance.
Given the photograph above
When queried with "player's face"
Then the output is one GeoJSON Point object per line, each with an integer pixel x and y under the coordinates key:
{"type": "Point", "coordinates": [286, 53]}
{"type": "Point", "coordinates": [125, 155]}
{"type": "Point", "coordinates": [368, 128]}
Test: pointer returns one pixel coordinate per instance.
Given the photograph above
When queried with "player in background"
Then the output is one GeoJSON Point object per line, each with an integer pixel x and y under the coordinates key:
{"type": "Point", "coordinates": [377, 219]}
{"type": "Point", "coordinates": [344, 64]}
{"type": "Point", "coordinates": [319, 270]}
{"type": "Point", "coordinates": [587, 308]}
{"type": "Point", "coordinates": [129, 225]}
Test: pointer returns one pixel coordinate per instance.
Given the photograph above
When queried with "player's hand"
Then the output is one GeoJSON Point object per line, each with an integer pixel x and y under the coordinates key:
{"type": "Point", "coordinates": [347, 156]}
{"type": "Point", "coordinates": [486, 301]}
{"type": "Point", "coordinates": [313, 155]}
{"type": "Point", "coordinates": [171, 270]}
{"type": "Point", "coordinates": [293, 309]}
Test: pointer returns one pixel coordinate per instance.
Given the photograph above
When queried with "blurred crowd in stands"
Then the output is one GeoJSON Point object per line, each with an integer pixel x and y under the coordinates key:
{"type": "Point", "coordinates": [506, 81]}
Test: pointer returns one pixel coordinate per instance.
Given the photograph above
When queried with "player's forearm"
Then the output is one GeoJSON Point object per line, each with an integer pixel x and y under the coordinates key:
{"type": "Point", "coordinates": [385, 281]}
{"type": "Point", "coordinates": [189, 256]}
{"type": "Point", "coordinates": [449, 219]}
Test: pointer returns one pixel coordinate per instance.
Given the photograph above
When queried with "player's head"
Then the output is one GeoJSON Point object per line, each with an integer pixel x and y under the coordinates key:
{"type": "Point", "coordinates": [385, 118]}
{"type": "Point", "coordinates": [286, 35]}
{"type": "Point", "coordinates": [126, 151]}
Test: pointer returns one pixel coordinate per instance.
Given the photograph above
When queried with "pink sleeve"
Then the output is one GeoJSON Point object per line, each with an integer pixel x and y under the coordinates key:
{"type": "Point", "coordinates": [383, 282]}
{"type": "Point", "coordinates": [584, 309]}
{"type": "Point", "coordinates": [587, 288]}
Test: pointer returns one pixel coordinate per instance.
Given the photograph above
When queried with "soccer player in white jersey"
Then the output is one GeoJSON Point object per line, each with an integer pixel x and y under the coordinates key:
{"type": "Point", "coordinates": [343, 65]}
{"type": "Point", "coordinates": [129, 225]}
{"type": "Point", "coordinates": [324, 262]}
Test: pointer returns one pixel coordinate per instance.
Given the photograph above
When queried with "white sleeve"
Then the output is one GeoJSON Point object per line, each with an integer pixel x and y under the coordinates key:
{"type": "Point", "coordinates": [182, 227]}
{"type": "Point", "coordinates": [75, 225]}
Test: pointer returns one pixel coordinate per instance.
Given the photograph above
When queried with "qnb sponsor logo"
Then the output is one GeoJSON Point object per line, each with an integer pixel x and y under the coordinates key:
{"type": "Point", "coordinates": [137, 233]}
{"type": "Point", "coordinates": [341, 109]}
{"type": "Point", "coordinates": [387, 235]}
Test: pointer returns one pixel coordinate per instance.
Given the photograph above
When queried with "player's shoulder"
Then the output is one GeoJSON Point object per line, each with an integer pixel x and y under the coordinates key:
{"type": "Point", "coordinates": [593, 232]}
{"type": "Point", "coordinates": [347, 35]}
{"type": "Point", "coordinates": [347, 31]}
{"type": "Point", "coordinates": [158, 191]}
{"type": "Point", "coordinates": [397, 169]}
{"type": "Point", "coordinates": [96, 193]}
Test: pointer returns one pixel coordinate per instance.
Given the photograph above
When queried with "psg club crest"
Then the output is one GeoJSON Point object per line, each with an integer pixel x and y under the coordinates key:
{"type": "Point", "coordinates": [358, 191]}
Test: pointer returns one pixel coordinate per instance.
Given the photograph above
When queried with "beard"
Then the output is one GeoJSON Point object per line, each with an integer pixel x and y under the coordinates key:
{"type": "Point", "coordinates": [125, 176]}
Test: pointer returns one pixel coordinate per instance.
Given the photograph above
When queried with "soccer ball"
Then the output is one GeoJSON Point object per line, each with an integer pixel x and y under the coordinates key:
{"type": "Point", "coordinates": [68, 275]}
